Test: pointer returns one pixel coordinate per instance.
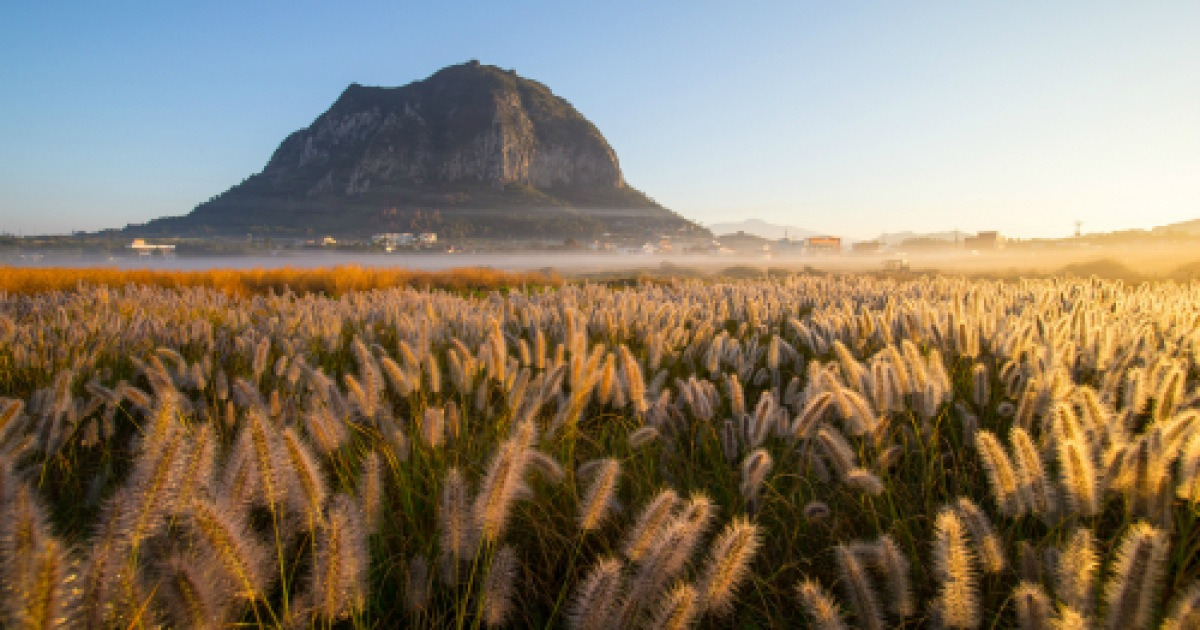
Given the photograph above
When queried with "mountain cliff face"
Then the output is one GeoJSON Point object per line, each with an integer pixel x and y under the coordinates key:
{"type": "Point", "coordinates": [471, 151]}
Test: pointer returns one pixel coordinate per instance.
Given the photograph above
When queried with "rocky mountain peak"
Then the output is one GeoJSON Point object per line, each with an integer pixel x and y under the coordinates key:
{"type": "Point", "coordinates": [470, 139]}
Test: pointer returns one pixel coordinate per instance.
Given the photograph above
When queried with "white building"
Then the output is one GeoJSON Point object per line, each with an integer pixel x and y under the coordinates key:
{"type": "Point", "coordinates": [143, 248]}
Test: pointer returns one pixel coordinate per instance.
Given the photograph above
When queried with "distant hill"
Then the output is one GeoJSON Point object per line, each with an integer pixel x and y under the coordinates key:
{"type": "Point", "coordinates": [1187, 227]}
{"type": "Point", "coordinates": [895, 238]}
{"type": "Point", "coordinates": [762, 229]}
{"type": "Point", "coordinates": [471, 151]}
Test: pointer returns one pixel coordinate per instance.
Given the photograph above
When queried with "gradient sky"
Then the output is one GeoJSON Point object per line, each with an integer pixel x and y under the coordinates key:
{"type": "Point", "coordinates": [847, 117]}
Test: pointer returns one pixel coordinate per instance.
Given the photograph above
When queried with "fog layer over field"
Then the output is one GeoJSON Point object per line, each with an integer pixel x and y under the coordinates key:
{"type": "Point", "coordinates": [1178, 261]}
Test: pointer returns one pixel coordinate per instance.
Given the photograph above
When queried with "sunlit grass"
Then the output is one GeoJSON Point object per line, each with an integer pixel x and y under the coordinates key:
{"type": "Point", "coordinates": [333, 281]}
{"type": "Point", "coordinates": [512, 450]}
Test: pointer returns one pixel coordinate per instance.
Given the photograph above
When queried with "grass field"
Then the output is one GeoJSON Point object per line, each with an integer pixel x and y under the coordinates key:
{"type": "Point", "coordinates": [379, 449]}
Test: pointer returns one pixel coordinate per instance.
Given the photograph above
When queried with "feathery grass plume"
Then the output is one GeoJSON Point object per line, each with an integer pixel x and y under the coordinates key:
{"type": "Point", "coordinates": [229, 539]}
{"type": "Point", "coordinates": [340, 560]}
{"type": "Point", "coordinates": [154, 485]}
{"type": "Point", "coordinates": [858, 589]}
{"type": "Point", "coordinates": [895, 567]}
{"type": "Point", "coordinates": [884, 387]}
{"type": "Point", "coordinates": [198, 465]}
{"type": "Point", "coordinates": [503, 479]}
{"type": "Point", "coordinates": [649, 524]}
{"type": "Point", "coordinates": [634, 382]}
{"type": "Point", "coordinates": [864, 481]}
{"type": "Point", "coordinates": [814, 411]}
{"type": "Point", "coordinates": [642, 437]}
{"type": "Point", "coordinates": [755, 469]}
{"type": "Point", "coordinates": [239, 477]}
{"type": "Point", "coordinates": [1035, 486]}
{"type": "Point", "coordinates": [400, 381]}
{"type": "Point", "coordinates": [728, 563]}
{"type": "Point", "coordinates": [597, 600]}
{"type": "Point", "coordinates": [308, 489]}
{"type": "Point", "coordinates": [1027, 405]}
{"type": "Point", "coordinates": [1075, 575]}
{"type": "Point", "coordinates": [981, 391]}
{"type": "Point", "coordinates": [1134, 394]}
{"type": "Point", "coordinates": [433, 372]}
{"type": "Point", "coordinates": [599, 495]}
{"type": "Point", "coordinates": [22, 532]}
{"type": "Point", "coordinates": [1143, 475]}
{"type": "Point", "coordinates": [328, 434]}
{"type": "Point", "coordinates": [1184, 611]}
{"type": "Point", "coordinates": [359, 396]}
{"type": "Point", "coordinates": [267, 458]}
{"type": "Point", "coordinates": [9, 408]}
{"type": "Point", "coordinates": [678, 609]}
{"type": "Point", "coordinates": [417, 588]}
{"type": "Point", "coordinates": [515, 396]}
{"type": "Point", "coordinates": [524, 355]}
{"type": "Point", "coordinates": [43, 596]}
{"type": "Point", "coordinates": [988, 544]}
{"type": "Point", "coordinates": [820, 606]}
{"type": "Point", "coordinates": [499, 587]}
{"type": "Point", "coordinates": [433, 427]}
{"type": "Point", "coordinates": [1033, 606]}
{"type": "Point", "coordinates": [259, 359]}
{"type": "Point", "coordinates": [850, 406]}
{"type": "Point", "coordinates": [1002, 477]}
{"type": "Point", "coordinates": [544, 465]}
{"type": "Point", "coordinates": [1132, 588]}
{"type": "Point", "coordinates": [371, 491]}
{"type": "Point", "coordinates": [406, 354]}
{"type": "Point", "coordinates": [193, 595]}
{"type": "Point", "coordinates": [1078, 476]}
{"type": "Point", "coordinates": [101, 576]}
{"type": "Point", "coordinates": [957, 602]}
{"type": "Point", "coordinates": [604, 387]}
{"type": "Point", "coordinates": [1170, 392]}
{"type": "Point", "coordinates": [454, 524]}
{"type": "Point", "coordinates": [837, 450]}
{"type": "Point", "coordinates": [454, 420]}
{"type": "Point", "coordinates": [737, 398]}
{"type": "Point", "coordinates": [668, 557]}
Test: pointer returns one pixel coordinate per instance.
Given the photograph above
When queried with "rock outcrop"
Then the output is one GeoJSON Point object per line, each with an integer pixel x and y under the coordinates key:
{"type": "Point", "coordinates": [471, 151]}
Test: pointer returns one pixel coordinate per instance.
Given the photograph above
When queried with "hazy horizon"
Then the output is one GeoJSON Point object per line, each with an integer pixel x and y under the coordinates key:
{"type": "Point", "coordinates": [844, 119]}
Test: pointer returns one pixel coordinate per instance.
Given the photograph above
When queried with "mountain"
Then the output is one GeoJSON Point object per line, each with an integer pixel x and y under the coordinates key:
{"type": "Point", "coordinates": [761, 228]}
{"type": "Point", "coordinates": [471, 151]}
{"type": "Point", "coordinates": [1191, 228]}
{"type": "Point", "coordinates": [895, 238]}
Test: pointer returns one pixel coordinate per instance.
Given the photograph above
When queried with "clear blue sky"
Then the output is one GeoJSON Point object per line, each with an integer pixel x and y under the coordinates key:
{"type": "Point", "coordinates": [847, 117]}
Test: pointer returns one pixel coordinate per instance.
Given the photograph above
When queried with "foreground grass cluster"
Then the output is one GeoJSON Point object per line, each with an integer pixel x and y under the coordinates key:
{"type": "Point", "coordinates": [821, 452]}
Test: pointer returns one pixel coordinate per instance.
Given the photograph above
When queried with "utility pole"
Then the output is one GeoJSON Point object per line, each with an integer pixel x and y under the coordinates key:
{"type": "Point", "coordinates": [1078, 228]}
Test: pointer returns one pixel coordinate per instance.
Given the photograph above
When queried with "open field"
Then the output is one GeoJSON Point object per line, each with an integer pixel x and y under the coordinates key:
{"type": "Point", "coordinates": [495, 450]}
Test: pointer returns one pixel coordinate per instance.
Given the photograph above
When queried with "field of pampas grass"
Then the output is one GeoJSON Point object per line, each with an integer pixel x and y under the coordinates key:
{"type": "Point", "coordinates": [369, 449]}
